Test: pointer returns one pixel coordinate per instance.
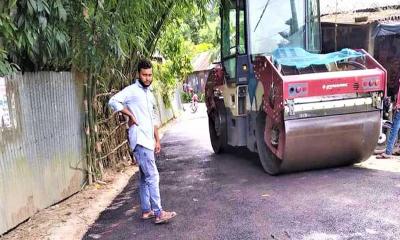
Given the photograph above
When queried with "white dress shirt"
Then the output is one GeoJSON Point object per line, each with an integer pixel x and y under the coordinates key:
{"type": "Point", "coordinates": [141, 103]}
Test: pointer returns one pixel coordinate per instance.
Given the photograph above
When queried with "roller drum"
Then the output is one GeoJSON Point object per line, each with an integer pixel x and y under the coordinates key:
{"type": "Point", "coordinates": [329, 141]}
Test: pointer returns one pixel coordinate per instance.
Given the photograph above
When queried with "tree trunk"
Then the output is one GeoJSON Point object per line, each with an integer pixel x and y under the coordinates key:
{"type": "Point", "coordinates": [156, 29]}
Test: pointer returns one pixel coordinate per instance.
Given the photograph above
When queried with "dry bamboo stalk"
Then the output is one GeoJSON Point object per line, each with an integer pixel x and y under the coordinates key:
{"type": "Point", "coordinates": [87, 133]}
{"type": "Point", "coordinates": [114, 130]}
{"type": "Point", "coordinates": [106, 120]}
{"type": "Point", "coordinates": [106, 94]}
{"type": "Point", "coordinates": [114, 150]}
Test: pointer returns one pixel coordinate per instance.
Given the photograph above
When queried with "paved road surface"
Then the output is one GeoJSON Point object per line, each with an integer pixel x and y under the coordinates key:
{"type": "Point", "coordinates": [230, 197]}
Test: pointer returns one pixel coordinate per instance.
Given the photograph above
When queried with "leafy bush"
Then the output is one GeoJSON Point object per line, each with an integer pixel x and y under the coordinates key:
{"type": "Point", "coordinates": [187, 97]}
{"type": "Point", "coordinates": [164, 81]}
{"type": "Point", "coordinates": [202, 97]}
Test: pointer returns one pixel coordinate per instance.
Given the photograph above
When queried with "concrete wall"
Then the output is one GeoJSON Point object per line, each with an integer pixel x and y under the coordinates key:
{"type": "Point", "coordinates": [42, 158]}
{"type": "Point", "coordinates": [165, 113]}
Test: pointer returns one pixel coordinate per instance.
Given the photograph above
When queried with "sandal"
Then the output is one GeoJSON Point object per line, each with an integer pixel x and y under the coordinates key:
{"type": "Point", "coordinates": [148, 215]}
{"type": "Point", "coordinates": [164, 217]}
{"type": "Point", "coordinates": [384, 156]}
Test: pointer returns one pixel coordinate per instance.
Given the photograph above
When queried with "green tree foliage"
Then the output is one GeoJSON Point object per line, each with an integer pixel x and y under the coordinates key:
{"type": "Point", "coordinates": [165, 81]}
{"type": "Point", "coordinates": [174, 47]}
{"type": "Point", "coordinates": [37, 37]}
{"type": "Point", "coordinates": [57, 34]}
{"type": "Point", "coordinates": [7, 30]}
{"type": "Point", "coordinates": [191, 32]}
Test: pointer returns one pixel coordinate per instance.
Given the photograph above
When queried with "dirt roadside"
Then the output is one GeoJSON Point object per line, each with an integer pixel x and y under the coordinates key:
{"type": "Point", "coordinates": [71, 218]}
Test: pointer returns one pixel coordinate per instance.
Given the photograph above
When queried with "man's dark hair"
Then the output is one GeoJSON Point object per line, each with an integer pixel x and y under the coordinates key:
{"type": "Point", "coordinates": [144, 64]}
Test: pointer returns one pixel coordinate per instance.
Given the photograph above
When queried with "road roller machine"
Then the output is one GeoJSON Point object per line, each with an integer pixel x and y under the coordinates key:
{"type": "Point", "coordinates": [274, 94]}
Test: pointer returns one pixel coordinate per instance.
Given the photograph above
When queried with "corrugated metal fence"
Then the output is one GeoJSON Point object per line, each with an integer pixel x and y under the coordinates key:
{"type": "Point", "coordinates": [42, 158]}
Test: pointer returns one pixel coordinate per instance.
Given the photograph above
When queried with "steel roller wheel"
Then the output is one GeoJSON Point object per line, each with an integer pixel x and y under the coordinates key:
{"type": "Point", "coordinates": [268, 160]}
{"type": "Point", "coordinates": [217, 127]}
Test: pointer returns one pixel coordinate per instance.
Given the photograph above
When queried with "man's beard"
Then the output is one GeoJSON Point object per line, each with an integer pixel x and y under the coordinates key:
{"type": "Point", "coordinates": [144, 85]}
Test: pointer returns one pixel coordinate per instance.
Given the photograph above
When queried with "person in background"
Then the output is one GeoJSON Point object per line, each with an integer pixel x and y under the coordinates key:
{"type": "Point", "coordinates": [195, 98]}
{"type": "Point", "coordinates": [394, 132]}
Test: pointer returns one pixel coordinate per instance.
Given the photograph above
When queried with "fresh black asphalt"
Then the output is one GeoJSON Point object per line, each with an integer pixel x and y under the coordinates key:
{"type": "Point", "coordinates": [230, 197]}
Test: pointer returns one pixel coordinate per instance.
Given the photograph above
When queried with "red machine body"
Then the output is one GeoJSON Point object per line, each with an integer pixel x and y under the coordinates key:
{"type": "Point", "coordinates": [284, 133]}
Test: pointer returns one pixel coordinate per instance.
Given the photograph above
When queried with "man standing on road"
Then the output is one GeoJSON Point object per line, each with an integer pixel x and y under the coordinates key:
{"type": "Point", "coordinates": [135, 102]}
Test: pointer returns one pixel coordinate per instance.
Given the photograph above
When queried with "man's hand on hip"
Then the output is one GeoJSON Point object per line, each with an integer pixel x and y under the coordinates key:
{"type": "Point", "coordinates": [132, 121]}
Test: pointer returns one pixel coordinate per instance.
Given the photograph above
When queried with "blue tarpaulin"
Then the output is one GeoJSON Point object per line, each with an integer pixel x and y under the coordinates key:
{"type": "Point", "coordinates": [300, 58]}
{"type": "Point", "coordinates": [386, 29]}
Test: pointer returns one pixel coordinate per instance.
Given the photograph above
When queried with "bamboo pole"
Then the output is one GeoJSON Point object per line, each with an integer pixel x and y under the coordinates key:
{"type": "Point", "coordinates": [95, 171]}
{"type": "Point", "coordinates": [114, 150]}
{"type": "Point", "coordinates": [106, 120]}
{"type": "Point", "coordinates": [91, 127]}
{"type": "Point", "coordinates": [106, 94]}
{"type": "Point", "coordinates": [115, 129]}
{"type": "Point", "coordinates": [87, 134]}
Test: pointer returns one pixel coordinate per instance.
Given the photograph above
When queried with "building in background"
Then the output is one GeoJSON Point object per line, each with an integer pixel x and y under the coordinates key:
{"type": "Point", "coordinates": [377, 30]}
{"type": "Point", "coordinates": [340, 6]}
{"type": "Point", "coordinates": [202, 64]}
